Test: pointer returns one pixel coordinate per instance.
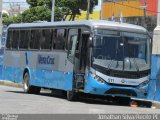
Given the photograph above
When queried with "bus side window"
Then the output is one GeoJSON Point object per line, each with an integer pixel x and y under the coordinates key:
{"type": "Point", "coordinates": [46, 39]}
{"type": "Point", "coordinates": [72, 43]}
{"type": "Point", "coordinates": [9, 39]}
{"type": "Point", "coordinates": [72, 47]}
{"type": "Point", "coordinates": [24, 39]}
{"type": "Point", "coordinates": [35, 38]}
{"type": "Point", "coordinates": [22, 33]}
{"type": "Point", "coordinates": [60, 39]}
{"type": "Point", "coordinates": [15, 39]}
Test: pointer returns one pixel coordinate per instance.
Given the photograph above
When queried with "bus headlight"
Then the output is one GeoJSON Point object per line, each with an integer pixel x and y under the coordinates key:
{"type": "Point", "coordinates": [99, 79]}
{"type": "Point", "coordinates": [144, 83]}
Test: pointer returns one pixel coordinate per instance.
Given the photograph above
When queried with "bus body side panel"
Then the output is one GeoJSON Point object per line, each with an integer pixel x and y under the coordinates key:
{"type": "Point", "coordinates": [47, 69]}
{"type": "Point", "coordinates": [51, 79]}
{"type": "Point", "coordinates": [51, 70]}
{"type": "Point", "coordinates": [12, 69]}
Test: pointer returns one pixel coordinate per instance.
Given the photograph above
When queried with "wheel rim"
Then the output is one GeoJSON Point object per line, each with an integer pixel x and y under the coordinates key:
{"type": "Point", "coordinates": [26, 83]}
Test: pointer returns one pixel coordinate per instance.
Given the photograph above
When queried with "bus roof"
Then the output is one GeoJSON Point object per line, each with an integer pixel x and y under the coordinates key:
{"type": "Point", "coordinates": [90, 23]}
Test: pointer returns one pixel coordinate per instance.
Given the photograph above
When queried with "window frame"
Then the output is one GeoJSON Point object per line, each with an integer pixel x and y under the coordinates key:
{"type": "Point", "coordinates": [31, 28]}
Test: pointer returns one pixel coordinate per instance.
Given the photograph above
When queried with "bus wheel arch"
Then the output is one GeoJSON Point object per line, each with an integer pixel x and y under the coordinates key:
{"type": "Point", "coordinates": [27, 87]}
{"type": "Point", "coordinates": [25, 71]}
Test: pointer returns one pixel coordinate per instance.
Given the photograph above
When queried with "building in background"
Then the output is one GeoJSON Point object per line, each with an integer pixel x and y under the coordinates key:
{"type": "Point", "coordinates": [13, 9]}
{"type": "Point", "coordinates": [139, 12]}
{"type": "Point", "coordinates": [93, 16]}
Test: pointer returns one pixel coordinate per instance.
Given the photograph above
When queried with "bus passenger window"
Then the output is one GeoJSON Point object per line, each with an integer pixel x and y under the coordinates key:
{"type": "Point", "coordinates": [36, 35]}
{"type": "Point", "coordinates": [24, 39]}
{"type": "Point", "coordinates": [46, 39]}
{"type": "Point", "coordinates": [60, 40]}
{"type": "Point", "coordinates": [72, 47]}
{"type": "Point", "coordinates": [15, 39]}
{"type": "Point", "coordinates": [9, 39]}
{"type": "Point", "coordinates": [71, 33]}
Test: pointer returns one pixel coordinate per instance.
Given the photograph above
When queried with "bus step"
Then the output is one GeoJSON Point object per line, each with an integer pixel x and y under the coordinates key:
{"type": "Point", "coordinates": [79, 85]}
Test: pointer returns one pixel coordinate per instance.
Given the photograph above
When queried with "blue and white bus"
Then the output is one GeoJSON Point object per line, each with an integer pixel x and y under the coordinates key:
{"type": "Point", "coordinates": [96, 57]}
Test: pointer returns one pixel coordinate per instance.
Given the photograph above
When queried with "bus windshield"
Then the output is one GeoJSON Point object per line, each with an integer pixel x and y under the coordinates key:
{"type": "Point", "coordinates": [123, 51]}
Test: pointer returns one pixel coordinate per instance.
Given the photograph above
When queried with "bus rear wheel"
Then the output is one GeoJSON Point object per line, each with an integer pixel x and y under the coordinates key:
{"type": "Point", "coordinates": [29, 88]}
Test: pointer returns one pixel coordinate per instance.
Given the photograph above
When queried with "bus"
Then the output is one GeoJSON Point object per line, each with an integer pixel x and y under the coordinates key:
{"type": "Point", "coordinates": [94, 57]}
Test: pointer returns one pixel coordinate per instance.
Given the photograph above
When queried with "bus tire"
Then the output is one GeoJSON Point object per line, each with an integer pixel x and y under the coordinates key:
{"type": "Point", "coordinates": [71, 95]}
{"type": "Point", "coordinates": [29, 88]}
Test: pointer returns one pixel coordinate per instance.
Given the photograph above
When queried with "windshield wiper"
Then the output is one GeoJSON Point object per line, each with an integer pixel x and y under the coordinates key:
{"type": "Point", "coordinates": [110, 64]}
{"type": "Point", "coordinates": [137, 68]}
{"type": "Point", "coordinates": [134, 60]}
{"type": "Point", "coordinates": [130, 64]}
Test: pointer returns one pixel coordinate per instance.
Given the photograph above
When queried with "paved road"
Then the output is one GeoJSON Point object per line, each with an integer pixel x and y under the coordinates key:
{"type": "Point", "coordinates": [14, 101]}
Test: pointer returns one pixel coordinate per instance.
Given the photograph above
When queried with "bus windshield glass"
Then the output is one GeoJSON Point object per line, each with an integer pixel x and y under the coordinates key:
{"type": "Point", "coordinates": [121, 51]}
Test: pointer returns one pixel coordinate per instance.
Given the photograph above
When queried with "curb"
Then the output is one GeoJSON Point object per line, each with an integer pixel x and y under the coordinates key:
{"type": "Point", "coordinates": [11, 84]}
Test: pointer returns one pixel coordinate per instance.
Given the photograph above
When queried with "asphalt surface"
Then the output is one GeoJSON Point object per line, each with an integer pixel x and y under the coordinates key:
{"type": "Point", "coordinates": [14, 101]}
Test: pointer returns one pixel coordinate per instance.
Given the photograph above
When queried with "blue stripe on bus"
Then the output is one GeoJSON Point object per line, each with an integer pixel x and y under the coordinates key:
{"type": "Point", "coordinates": [12, 74]}
{"type": "Point", "coordinates": [41, 78]}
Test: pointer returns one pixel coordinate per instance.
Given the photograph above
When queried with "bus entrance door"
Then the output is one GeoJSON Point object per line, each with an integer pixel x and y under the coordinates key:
{"type": "Point", "coordinates": [82, 58]}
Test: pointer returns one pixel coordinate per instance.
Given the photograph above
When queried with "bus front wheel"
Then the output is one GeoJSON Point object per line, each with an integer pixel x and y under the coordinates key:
{"type": "Point", "coordinates": [29, 88]}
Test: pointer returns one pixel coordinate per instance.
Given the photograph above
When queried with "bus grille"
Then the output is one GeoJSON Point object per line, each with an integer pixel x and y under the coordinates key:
{"type": "Point", "coordinates": [121, 91]}
{"type": "Point", "coordinates": [122, 75]}
{"type": "Point", "coordinates": [120, 85]}
{"type": "Point", "coordinates": [131, 76]}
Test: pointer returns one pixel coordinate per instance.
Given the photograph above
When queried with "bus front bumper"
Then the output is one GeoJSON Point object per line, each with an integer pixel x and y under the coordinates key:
{"type": "Point", "coordinates": [94, 87]}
